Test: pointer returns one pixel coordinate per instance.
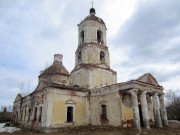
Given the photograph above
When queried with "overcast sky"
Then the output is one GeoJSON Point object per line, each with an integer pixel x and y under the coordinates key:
{"type": "Point", "coordinates": [143, 37]}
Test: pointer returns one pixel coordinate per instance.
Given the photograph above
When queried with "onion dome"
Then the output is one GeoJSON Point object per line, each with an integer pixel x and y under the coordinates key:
{"type": "Point", "coordinates": [92, 11]}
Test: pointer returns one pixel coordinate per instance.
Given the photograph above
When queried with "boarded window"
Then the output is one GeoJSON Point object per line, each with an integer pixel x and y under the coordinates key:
{"type": "Point", "coordinates": [35, 114]}
{"type": "Point", "coordinates": [102, 56]}
{"type": "Point", "coordinates": [70, 114]}
{"type": "Point", "coordinates": [40, 113]}
{"type": "Point", "coordinates": [29, 114]}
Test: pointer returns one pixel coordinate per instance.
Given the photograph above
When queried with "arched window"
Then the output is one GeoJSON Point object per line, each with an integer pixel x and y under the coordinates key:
{"type": "Point", "coordinates": [102, 56]}
{"type": "Point", "coordinates": [79, 56]}
{"type": "Point", "coordinates": [70, 110]}
{"type": "Point", "coordinates": [82, 36]}
{"type": "Point", "coordinates": [99, 37]}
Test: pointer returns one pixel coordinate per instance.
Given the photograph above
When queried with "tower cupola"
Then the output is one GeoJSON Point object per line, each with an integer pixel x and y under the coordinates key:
{"type": "Point", "coordinates": [92, 11]}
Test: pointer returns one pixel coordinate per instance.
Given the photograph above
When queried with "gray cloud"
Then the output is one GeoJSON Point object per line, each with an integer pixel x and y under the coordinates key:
{"type": "Point", "coordinates": [152, 36]}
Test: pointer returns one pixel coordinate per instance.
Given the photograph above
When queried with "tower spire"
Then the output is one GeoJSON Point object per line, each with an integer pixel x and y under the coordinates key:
{"type": "Point", "coordinates": [92, 10]}
{"type": "Point", "coordinates": [92, 3]}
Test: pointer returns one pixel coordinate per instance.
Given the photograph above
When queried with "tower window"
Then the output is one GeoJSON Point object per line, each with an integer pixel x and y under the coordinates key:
{"type": "Point", "coordinates": [79, 56]}
{"type": "Point", "coordinates": [82, 36]}
{"type": "Point", "coordinates": [69, 114]}
{"type": "Point", "coordinates": [102, 56]}
{"type": "Point", "coordinates": [99, 37]}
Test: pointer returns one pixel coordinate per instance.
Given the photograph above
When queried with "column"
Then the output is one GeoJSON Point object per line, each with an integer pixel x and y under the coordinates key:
{"type": "Point", "coordinates": [135, 109]}
{"type": "Point", "coordinates": [163, 110]}
{"type": "Point", "coordinates": [144, 108]}
{"type": "Point", "coordinates": [156, 106]}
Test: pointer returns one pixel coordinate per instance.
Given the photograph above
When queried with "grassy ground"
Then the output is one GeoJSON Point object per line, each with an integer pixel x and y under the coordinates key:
{"type": "Point", "coordinates": [174, 129]}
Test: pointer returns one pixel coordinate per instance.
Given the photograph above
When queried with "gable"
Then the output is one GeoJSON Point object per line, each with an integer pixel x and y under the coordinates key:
{"type": "Point", "coordinates": [18, 97]}
{"type": "Point", "coordinates": [148, 78]}
{"type": "Point", "coordinates": [41, 85]}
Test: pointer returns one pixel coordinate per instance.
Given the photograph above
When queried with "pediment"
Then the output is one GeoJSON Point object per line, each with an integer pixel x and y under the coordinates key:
{"type": "Point", "coordinates": [149, 79]}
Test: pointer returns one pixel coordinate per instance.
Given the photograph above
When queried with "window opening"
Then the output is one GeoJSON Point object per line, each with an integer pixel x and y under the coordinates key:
{"type": "Point", "coordinates": [70, 114]}
{"type": "Point", "coordinates": [99, 37]}
{"type": "Point", "coordinates": [82, 36]}
{"type": "Point", "coordinates": [40, 113]}
{"type": "Point", "coordinates": [16, 115]}
{"type": "Point", "coordinates": [21, 115]}
{"type": "Point", "coordinates": [25, 115]}
{"type": "Point", "coordinates": [35, 114]}
{"type": "Point", "coordinates": [29, 115]}
{"type": "Point", "coordinates": [102, 56]}
{"type": "Point", "coordinates": [104, 112]}
{"type": "Point", "coordinates": [79, 56]}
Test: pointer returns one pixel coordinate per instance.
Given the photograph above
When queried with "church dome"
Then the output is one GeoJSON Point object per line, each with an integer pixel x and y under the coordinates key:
{"type": "Point", "coordinates": [95, 18]}
{"type": "Point", "coordinates": [56, 68]}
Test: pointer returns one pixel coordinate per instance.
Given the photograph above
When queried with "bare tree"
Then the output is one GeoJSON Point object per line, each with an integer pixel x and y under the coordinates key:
{"type": "Point", "coordinates": [25, 90]}
{"type": "Point", "coordinates": [173, 105]}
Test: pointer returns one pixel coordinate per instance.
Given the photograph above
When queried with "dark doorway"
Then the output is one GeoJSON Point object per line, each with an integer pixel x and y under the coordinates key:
{"type": "Point", "coordinates": [70, 114]}
{"type": "Point", "coordinates": [104, 114]}
{"type": "Point", "coordinates": [140, 115]}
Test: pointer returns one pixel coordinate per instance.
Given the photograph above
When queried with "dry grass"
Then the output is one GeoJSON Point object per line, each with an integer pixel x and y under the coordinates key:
{"type": "Point", "coordinates": [174, 129]}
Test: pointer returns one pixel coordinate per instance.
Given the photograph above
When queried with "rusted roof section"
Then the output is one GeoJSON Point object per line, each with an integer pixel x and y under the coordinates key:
{"type": "Point", "coordinates": [56, 68]}
{"type": "Point", "coordinates": [65, 87]}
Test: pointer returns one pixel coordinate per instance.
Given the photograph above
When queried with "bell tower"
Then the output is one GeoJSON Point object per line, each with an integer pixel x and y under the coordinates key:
{"type": "Point", "coordinates": [92, 63]}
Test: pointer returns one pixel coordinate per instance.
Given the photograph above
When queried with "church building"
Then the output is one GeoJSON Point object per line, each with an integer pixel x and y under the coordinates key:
{"type": "Point", "coordinates": [90, 94]}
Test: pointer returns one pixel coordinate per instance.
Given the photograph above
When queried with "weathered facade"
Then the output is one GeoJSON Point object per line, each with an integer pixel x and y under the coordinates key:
{"type": "Point", "coordinates": [90, 94]}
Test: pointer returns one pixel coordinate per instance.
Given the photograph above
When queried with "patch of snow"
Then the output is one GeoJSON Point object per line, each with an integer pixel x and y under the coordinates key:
{"type": "Point", "coordinates": [7, 129]}
{"type": "Point", "coordinates": [174, 121]}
